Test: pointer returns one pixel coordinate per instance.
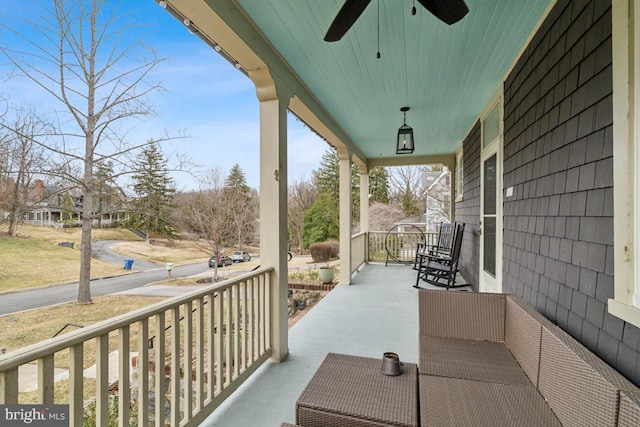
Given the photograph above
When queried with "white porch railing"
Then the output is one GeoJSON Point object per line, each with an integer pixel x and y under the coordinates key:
{"type": "Point", "coordinates": [402, 245]}
{"type": "Point", "coordinates": [170, 363]}
{"type": "Point", "coordinates": [358, 251]}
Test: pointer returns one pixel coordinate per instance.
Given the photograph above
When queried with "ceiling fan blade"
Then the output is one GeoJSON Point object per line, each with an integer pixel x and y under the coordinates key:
{"type": "Point", "coordinates": [346, 17]}
{"type": "Point", "coordinates": [448, 11]}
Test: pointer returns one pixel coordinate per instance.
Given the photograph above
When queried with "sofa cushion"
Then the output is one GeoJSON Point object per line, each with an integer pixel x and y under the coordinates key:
{"type": "Point", "coordinates": [470, 360]}
{"type": "Point", "coordinates": [579, 387]}
{"type": "Point", "coordinates": [456, 402]}
{"type": "Point", "coordinates": [466, 315]}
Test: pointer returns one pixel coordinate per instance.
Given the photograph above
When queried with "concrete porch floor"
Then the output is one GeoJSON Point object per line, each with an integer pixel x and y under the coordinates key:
{"type": "Point", "coordinates": [377, 313]}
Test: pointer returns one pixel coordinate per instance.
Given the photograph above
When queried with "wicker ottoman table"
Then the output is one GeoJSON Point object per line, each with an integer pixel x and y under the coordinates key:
{"type": "Point", "coordinates": [351, 391]}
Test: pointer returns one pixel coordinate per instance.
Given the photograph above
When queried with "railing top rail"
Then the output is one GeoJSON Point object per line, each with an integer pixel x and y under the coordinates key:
{"type": "Point", "coordinates": [52, 345]}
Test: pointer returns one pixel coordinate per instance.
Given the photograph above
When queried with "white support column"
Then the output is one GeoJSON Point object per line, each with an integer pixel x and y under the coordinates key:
{"type": "Point", "coordinates": [450, 162]}
{"type": "Point", "coordinates": [273, 210]}
{"type": "Point", "coordinates": [344, 171]}
{"type": "Point", "coordinates": [364, 201]}
{"type": "Point", "coordinates": [452, 190]}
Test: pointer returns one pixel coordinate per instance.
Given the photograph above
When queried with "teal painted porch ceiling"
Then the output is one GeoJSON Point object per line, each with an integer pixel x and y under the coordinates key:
{"type": "Point", "coordinates": [446, 74]}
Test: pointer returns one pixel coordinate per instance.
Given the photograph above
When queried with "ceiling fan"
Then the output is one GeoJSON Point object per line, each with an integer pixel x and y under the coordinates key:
{"type": "Point", "coordinates": [448, 11]}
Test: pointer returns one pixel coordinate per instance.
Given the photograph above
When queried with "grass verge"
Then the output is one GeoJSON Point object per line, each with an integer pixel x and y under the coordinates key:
{"type": "Point", "coordinates": [19, 330]}
{"type": "Point", "coordinates": [34, 258]}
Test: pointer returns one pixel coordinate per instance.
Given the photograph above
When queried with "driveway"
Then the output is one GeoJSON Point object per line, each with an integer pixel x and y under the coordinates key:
{"type": "Point", "coordinates": [101, 250]}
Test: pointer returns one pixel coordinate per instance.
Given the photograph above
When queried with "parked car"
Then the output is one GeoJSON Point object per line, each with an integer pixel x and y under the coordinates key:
{"type": "Point", "coordinates": [240, 256]}
{"type": "Point", "coordinates": [222, 261]}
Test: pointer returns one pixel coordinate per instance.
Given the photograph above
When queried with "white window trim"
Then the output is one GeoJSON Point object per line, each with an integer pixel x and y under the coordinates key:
{"type": "Point", "coordinates": [459, 178]}
{"type": "Point", "coordinates": [626, 136]}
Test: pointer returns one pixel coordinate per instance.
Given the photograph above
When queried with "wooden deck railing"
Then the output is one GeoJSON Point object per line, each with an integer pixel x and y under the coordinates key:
{"type": "Point", "coordinates": [402, 245]}
{"type": "Point", "coordinates": [170, 363]}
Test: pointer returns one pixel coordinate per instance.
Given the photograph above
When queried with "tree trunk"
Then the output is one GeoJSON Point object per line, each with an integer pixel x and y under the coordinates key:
{"type": "Point", "coordinates": [84, 286]}
{"type": "Point", "coordinates": [15, 211]}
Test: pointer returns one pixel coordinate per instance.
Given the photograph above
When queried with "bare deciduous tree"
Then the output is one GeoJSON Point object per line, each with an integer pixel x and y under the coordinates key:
{"type": "Point", "coordinates": [407, 190]}
{"type": "Point", "coordinates": [382, 216]}
{"type": "Point", "coordinates": [80, 63]}
{"type": "Point", "coordinates": [204, 213]}
{"type": "Point", "coordinates": [22, 161]}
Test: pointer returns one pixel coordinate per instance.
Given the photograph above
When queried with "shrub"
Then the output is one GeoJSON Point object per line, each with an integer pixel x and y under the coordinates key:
{"type": "Point", "coordinates": [321, 251]}
{"type": "Point", "coordinates": [335, 247]}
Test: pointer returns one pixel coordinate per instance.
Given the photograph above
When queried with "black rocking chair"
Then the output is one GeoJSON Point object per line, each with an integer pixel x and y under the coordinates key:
{"type": "Point", "coordinates": [441, 269]}
{"type": "Point", "coordinates": [443, 245]}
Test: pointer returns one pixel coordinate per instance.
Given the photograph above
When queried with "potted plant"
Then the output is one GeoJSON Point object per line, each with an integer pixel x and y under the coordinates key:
{"type": "Point", "coordinates": [325, 274]}
{"type": "Point", "coordinates": [321, 253]}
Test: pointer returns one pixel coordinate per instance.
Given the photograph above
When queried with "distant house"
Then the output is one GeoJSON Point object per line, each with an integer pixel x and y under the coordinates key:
{"type": "Point", "coordinates": [437, 198]}
{"type": "Point", "coordinates": [52, 206]}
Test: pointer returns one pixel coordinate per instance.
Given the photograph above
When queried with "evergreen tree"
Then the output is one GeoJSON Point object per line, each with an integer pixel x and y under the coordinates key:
{"type": "Point", "coordinates": [409, 204]}
{"type": "Point", "coordinates": [105, 187]}
{"type": "Point", "coordinates": [379, 185]}
{"type": "Point", "coordinates": [327, 180]}
{"type": "Point", "coordinates": [321, 221]}
{"type": "Point", "coordinates": [326, 177]}
{"type": "Point", "coordinates": [238, 209]}
{"type": "Point", "coordinates": [154, 189]}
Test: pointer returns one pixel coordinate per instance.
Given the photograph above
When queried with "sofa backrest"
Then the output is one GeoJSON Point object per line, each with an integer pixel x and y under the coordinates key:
{"type": "Point", "coordinates": [465, 315]}
{"type": "Point", "coordinates": [580, 388]}
{"type": "Point", "coordinates": [523, 334]}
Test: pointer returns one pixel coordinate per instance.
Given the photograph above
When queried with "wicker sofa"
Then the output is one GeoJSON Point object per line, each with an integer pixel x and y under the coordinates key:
{"type": "Point", "coordinates": [490, 359]}
{"type": "Point", "coordinates": [484, 360]}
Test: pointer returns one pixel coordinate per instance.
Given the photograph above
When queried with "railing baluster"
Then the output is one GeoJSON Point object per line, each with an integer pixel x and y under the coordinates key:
{"type": "Point", "coordinates": [143, 372]}
{"type": "Point", "coordinates": [76, 385]}
{"type": "Point", "coordinates": [243, 322]}
{"type": "Point", "coordinates": [160, 374]}
{"type": "Point", "coordinates": [251, 327]}
{"type": "Point", "coordinates": [257, 339]}
{"type": "Point", "coordinates": [187, 379]}
{"type": "Point", "coordinates": [265, 286]}
{"type": "Point", "coordinates": [228, 333]}
{"type": "Point", "coordinates": [219, 339]}
{"type": "Point", "coordinates": [45, 379]}
{"type": "Point", "coordinates": [199, 384]}
{"type": "Point", "coordinates": [9, 386]}
{"type": "Point", "coordinates": [211, 329]}
{"type": "Point", "coordinates": [175, 367]}
{"type": "Point", "coordinates": [236, 330]}
{"type": "Point", "coordinates": [102, 380]}
{"type": "Point", "coordinates": [124, 390]}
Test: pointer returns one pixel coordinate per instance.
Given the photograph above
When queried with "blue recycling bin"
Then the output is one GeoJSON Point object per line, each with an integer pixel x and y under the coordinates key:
{"type": "Point", "coordinates": [127, 264]}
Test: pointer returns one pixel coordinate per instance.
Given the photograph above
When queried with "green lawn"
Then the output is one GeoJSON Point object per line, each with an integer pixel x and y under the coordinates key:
{"type": "Point", "coordinates": [34, 258]}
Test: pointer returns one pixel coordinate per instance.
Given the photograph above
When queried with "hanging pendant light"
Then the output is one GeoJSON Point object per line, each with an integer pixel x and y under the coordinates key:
{"type": "Point", "coordinates": [404, 144]}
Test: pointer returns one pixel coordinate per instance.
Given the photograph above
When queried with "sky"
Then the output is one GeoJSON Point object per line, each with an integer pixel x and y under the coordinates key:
{"type": "Point", "coordinates": [203, 96]}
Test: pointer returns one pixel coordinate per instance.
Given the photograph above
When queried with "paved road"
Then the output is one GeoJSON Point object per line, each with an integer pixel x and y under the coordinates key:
{"type": "Point", "coordinates": [27, 300]}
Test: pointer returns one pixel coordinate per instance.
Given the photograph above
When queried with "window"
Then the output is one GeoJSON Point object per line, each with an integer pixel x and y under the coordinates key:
{"type": "Point", "coordinates": [459, 176]}
{"type": "Point", "coordinates": [626, 159]}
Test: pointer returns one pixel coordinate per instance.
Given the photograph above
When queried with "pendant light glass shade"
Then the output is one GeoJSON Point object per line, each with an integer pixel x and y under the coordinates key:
{"type": "Point", "coordinates": [404, 143]}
